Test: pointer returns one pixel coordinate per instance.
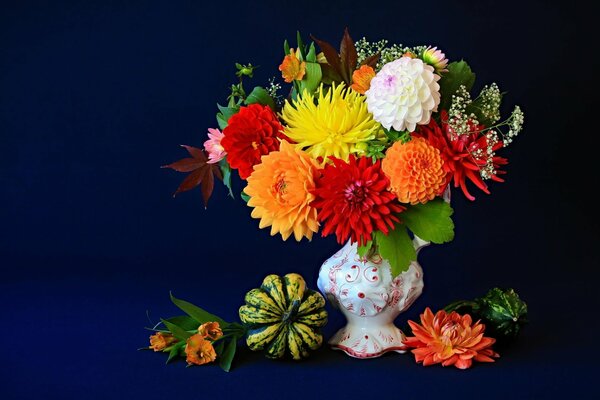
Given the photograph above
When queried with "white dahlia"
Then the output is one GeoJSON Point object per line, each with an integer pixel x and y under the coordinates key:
{"type": "Point", "coordinates": [403, 94]}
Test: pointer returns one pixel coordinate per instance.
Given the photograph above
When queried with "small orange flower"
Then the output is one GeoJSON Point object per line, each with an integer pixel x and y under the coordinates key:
{"type": "Point", "coordinates": [415, 170]}
{"type": "Point", "coordinates": [361, 79]}
{"type": "Point", "coordinates": [199, 350]}
{"type": "Point", "coordinates": [449, 339]}
{"type": "Point", "coordinates": [291, 68]}
{"type": "Point", "coordinates": [160, 341]}
{"type": "Point", "coordinates": [210, 331]}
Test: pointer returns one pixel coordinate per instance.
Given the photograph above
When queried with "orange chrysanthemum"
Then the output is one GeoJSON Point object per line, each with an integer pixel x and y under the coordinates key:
{"type": "Point", "coordinates": [361, 79]}
{"type": "Point", "coordinates": [280, 190]}
{"type": "Point", "coordinates": [449, 339]}
{"type": "Point", "coordinates": [291, 68]}
{"type": "Point", "coordinates": [199, 350]}
{"type": "Point", "coordinates": [160, 341]}
{"type": "Point", "coordinates": [210, 330]}
{"type": "Point", "coordinates": [415, 170]}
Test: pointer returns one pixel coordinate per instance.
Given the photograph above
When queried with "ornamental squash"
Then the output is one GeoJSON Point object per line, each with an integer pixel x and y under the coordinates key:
{"type": "Point", "coordinates": [283, 316]}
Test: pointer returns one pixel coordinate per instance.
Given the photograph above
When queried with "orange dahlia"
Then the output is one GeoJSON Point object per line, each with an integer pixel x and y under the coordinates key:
{"type": "Point", "coordinates": [449, 339]}
{"type": "Point", "coordinates": [415, 170]}
{"type": "Point", "coordinates": [361, 79]}
{"type": "Point", "coordinates": [280, 190]}
{"type": "Point", "coordinates": [199, 350]}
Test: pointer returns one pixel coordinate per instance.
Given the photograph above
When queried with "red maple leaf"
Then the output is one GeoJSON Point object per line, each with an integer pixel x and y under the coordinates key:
{"type": "Point", "coordinates": [201, 173]}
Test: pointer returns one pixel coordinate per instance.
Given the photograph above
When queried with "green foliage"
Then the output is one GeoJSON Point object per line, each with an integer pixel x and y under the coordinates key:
{"type": "Point", "coordinates": [226, 357]}
{"type": "Point", "coordinates": [397, 248]}
{"type": "Point", "coordinates": [312, 54]}
{"type": "Point", "coordinates": [175, 350]}
{"type": "Point", "coordinates": [259, 95]}
{"type": "Point", "coordinates": [459, 73]}
{"type": "Point", "coordinates": [312, 78]}
{"type": "Point", "coordinates": [364, 250]}
{"type": "Point", "coordinates": [177, 331]}
{"type": "Point", "coordinates": [226, 171]}
{"type": "Point", "coordinates": [185, 322]}
{"type": "Point", "coordinates": [430, 221]}
{"type": "Point", "coordinates": [196, 312]}
{"type": "Point", "coordinates": [301, 49]}
{"type": "Point", "coordinates": [244, 196]}
{"type": "Point", "coordinates": [224, 114]}
{"type": "Point", "coordinates": [245, 70]}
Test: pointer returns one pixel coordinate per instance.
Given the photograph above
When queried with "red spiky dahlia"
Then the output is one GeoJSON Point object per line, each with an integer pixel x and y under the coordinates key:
{"type": "Point", "coordinates": [352, 200]}
{"type": "Point", "coordinates": [465, 156]}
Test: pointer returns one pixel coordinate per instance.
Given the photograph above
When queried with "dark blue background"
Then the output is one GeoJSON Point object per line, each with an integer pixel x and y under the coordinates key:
{"type": "Point", "coordinates": [95, 96]}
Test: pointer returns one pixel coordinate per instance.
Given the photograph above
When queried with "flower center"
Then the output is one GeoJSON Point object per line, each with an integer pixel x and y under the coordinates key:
{"type": "Point", "coordinates": [255, 145]}
{"type": "Point", "coordinates": [355, 193]}
{"type": "Point", "coordinates": [279, 189]}
{"type": "Point", "coordinates": [449, 332]}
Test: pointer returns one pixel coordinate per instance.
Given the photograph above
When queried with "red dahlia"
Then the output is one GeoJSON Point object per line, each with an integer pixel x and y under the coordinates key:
{"type": "Point", "coordinates": [251, 133]}
{"type": "Point", "coordinates": [465, 156]}
{"type": "Point", "coordinates": [352, 200]}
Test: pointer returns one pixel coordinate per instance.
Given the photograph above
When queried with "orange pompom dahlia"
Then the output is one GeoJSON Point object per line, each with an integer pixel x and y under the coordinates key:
{"type": "Point", "coordinates": [415, 170]}
{"type": "Point", "coordinates": [280, 190]}
{"type": "Point", "coordinates": [449, 339]}
{"type": "Point", "coordinates": [199, 350]}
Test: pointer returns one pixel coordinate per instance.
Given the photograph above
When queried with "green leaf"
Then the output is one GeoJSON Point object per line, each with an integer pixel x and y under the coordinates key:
{"type": "Point", "coordinates": [397, 248]}
{"type": "Point", "coordinates": [312, 79]}
{"type": "Point", "coordinates": [222, 121]}
{"type": "Point", "coordinates": [219, 347]}
{"type": "Point", "coordinates": [226, 171]}
{"type": "Point", "coordinates": [312, 54]}
{"type": "Point", "coordinates": [459, 73]}
{"type": "Point", "coordinates": [301, 48]}
{"type": "Point", "coordinates": [364, 250]}
{"type": "Point", "coordinates": [244, 196]}
{"type": "Point", "coordinates": [430, 221]}
{"type": "Point", "coordinates": [286, 47]}
{"type": "Point", "coordinates": [177, 331]}
{"type": "Point", "coordinates": [196, 312]}
{"type": "Point", "coordinates": [185, 322]}
{"type": "Point", "coordinates": [259, 95]}
{"type": "Point", "coordinates": [227, 356]}
{"type": "Point", "coordinates": [174, 352]}
{"type": "Point", "coordinates": [227, 112]}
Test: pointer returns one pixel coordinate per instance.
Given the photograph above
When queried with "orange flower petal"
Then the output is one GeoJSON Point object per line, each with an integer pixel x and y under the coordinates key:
{"type": "Point", "coordinates": [291, 68]}
{"type": "Point", "coordinates": [361, 79]}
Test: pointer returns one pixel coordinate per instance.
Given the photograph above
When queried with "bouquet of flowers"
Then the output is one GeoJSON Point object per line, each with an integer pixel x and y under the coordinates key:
{"type": "Point", "coordinates": [362, 144]}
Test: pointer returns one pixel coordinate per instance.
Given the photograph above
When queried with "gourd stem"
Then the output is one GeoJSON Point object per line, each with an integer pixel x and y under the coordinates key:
{"type": "Point", "coordinates": [460, 304]}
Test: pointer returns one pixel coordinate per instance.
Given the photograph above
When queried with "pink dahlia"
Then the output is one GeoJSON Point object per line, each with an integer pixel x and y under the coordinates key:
{"type": "Point", "coordinates": [213, 146]}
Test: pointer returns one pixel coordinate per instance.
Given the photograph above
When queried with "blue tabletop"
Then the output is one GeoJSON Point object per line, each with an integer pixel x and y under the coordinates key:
{"type": "Point", "coordinates": [95, 96]}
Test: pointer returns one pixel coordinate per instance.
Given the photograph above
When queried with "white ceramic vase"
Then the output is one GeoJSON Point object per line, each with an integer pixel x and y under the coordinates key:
{"type": "Point", "coordinates": [370, 298]}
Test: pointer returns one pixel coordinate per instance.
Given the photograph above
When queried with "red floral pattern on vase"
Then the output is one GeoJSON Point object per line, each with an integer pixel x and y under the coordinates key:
{"type": "Point", "coordinates": [363, 289]}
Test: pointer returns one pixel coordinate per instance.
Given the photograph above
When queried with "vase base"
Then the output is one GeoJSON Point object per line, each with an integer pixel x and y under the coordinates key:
{"type": "Point", "coordinates": [371, 342]}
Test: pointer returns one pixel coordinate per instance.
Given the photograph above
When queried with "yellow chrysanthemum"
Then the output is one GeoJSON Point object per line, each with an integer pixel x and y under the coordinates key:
{"type": "Point", "coordinates": [338, 124]}
{"type": "Point", "coordinates": [280, 190]}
